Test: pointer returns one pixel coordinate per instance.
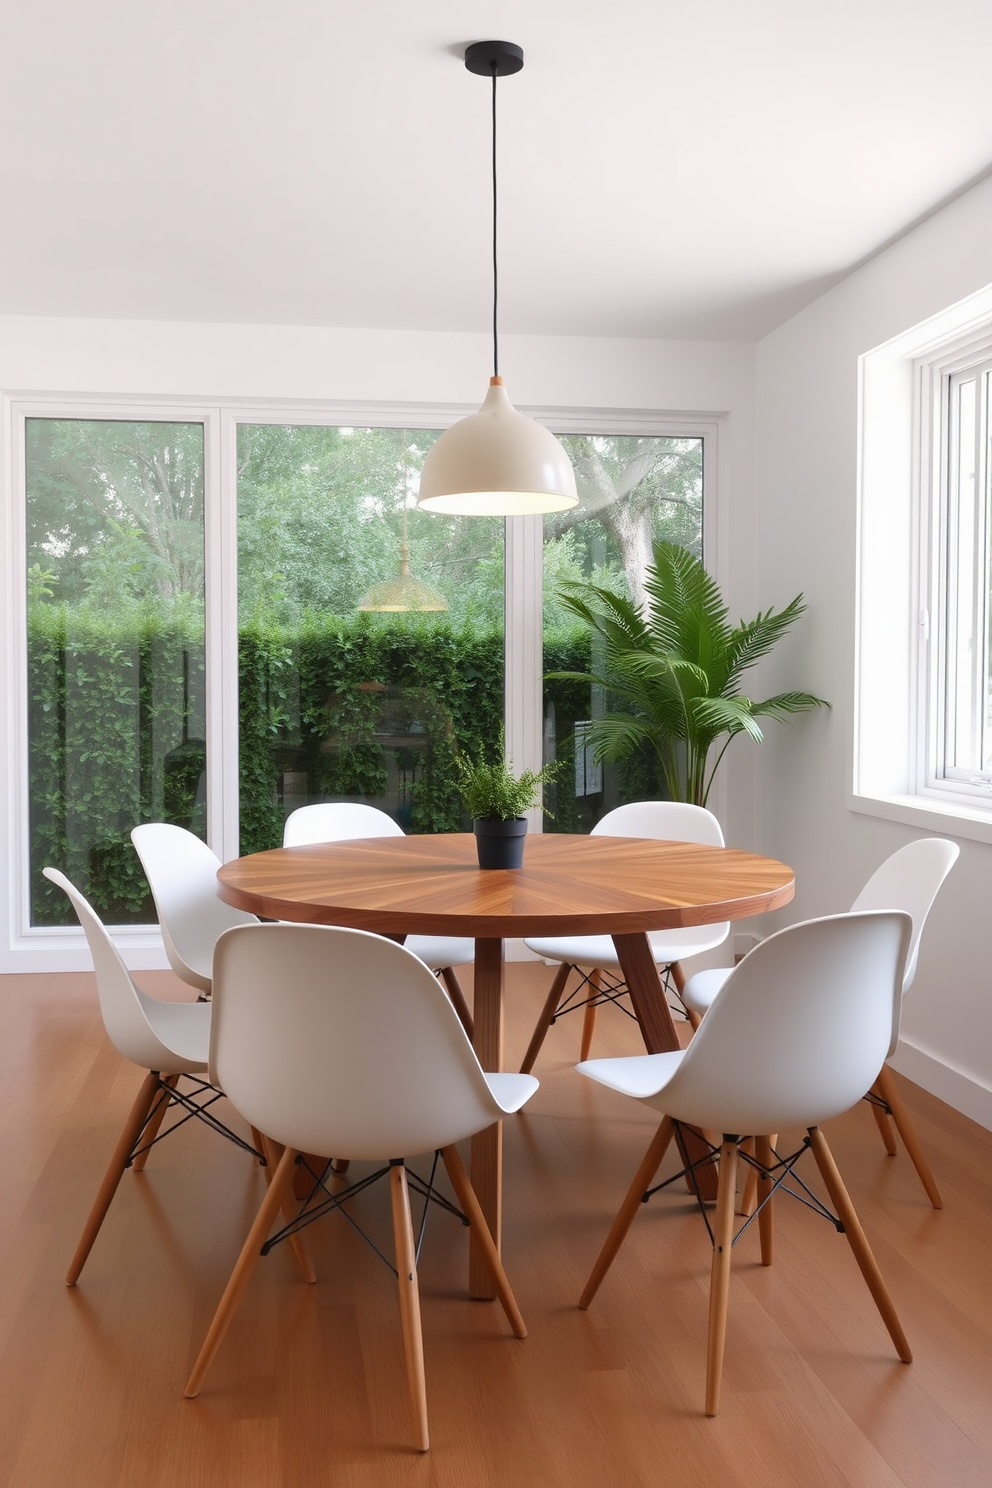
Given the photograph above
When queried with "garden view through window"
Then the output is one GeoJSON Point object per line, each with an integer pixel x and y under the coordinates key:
{"type": "Point", "coordinates": [370, 634]}
{"type": "Point", "coordinates": [116, 673]}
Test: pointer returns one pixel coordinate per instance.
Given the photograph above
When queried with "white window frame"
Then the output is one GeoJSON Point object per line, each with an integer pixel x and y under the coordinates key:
{"type": "Point", "coordinates": [939, 576]}
{"type": "Point", "coordinates": [27, 948]}
{"type": "Point", "coordinates": [900, 684]}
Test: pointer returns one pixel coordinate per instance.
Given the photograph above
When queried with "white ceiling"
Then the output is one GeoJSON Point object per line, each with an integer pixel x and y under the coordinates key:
{"type": "Point", "coordinates": [697, 169]}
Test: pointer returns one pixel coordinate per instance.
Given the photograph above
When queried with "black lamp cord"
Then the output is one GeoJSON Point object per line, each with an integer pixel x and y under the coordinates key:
{"type": "Point", "coordinates": [495, 269]}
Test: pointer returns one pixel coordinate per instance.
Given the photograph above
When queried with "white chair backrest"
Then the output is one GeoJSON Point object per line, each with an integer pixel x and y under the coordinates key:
{"type": "Point", "coordinates": [122, 1004]}
{"type": "Point", "coordinates": [800, 1029]}
{"type": "Point", "coordinates": [182, 875]}
{"type": "Point", "coordinates": [337, 821]}
{"type": "Point", "coordinates": [670, 821]}
{"type": "Point", "coordinates": [909, 880]}
{"type": "Point", "coordinates": [338, 1041]}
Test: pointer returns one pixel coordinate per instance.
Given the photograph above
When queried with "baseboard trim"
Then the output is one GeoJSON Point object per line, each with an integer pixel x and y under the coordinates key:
{"type": "Point", "coordinates": [953, 1086]}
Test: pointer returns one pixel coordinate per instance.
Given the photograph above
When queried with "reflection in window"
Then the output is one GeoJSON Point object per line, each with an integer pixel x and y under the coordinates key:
{"type": "Point", "coordinates": [371, 633]}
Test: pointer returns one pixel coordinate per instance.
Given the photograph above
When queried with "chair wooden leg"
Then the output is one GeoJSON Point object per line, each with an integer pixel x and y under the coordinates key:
{"type": "Point", "coordinates": [243, 1268]}
{"type": "Point", "coordinates": [889, 1091]}
{"type": "Point", "coordinates": [766, 1215]}
{"type": "Point", "coordinates": [298, 1242]}
{"type": "Point", "coordinates": [547, 1014]}
{"type": "Point", "coordinates": [625, 1215]}
{"type": "Point", "coordinates": [466, 1196]}
{"type": "Point", "coordinates": [723, 1239]}
{"type": "Point", "coordinates": [749, 1188]}
{"type": "Point", "coordinates": [406, 1267]}
{"type": "Point", "coordinates": [151, 1131]}
{"type": "Point", "coordinates": [884, 1123]}
{"type": "Point", "coordinates": [125, 1144]}
{"type": "Point", "coordinates": [454, 986]}
{"type": "Point", "coordinates": [590, 1015]}
{"type": "Point", "coordinates": [858, 1242]}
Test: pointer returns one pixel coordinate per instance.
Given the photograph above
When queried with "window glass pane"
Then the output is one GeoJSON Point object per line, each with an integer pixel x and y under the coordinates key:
{"type": "Point", "coordinates": [371, 633]}
{"type": "Point", "coordinates": [116, 716]}
{"type": "Point", "coordinates": [961, 581]}
{"type": "Point", "coordinates": [633, 492]}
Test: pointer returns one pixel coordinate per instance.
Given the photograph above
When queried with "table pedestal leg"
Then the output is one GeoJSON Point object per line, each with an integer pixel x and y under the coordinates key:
{"type": "Point", "coordinates": [487, 1146]}
{"type": "Point", "coordinates": [658, 1031]}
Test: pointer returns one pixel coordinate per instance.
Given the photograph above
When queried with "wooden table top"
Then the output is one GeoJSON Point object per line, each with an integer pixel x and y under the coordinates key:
{"type": "Point", "coordinates": [568, 885]}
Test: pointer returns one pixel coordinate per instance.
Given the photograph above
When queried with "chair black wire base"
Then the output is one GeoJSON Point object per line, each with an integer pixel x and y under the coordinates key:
{"type": "Point", "coordinates": [196, 1103]}
{"type": "Point", "coordinates": [336, 1201]}
{"type": "Point", "coordinates": [613, 989]}
{"type": "Point", "coordinates": [781, 1171]}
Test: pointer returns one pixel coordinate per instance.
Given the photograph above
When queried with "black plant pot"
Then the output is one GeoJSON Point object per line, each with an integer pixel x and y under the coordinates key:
{"type": "Point", "coordinates": [500, 844]}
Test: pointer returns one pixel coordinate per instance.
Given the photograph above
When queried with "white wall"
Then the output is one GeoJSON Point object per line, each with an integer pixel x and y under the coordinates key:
{"type": "Point", "coordinates": [805, 516]}
{"type": "Point", "coordinates": [235, 362]}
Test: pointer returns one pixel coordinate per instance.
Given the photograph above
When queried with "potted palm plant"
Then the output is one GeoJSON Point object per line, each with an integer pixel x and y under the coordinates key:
{"type": "Point", "coordinates": [673, 672]}
{"type": "Point", "coordinates": [496, 800]}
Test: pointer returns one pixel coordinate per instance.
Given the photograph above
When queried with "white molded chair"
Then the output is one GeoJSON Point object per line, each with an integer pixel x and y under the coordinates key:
{"type": "Point", "coordinates": [909, 880]}
{"type": "Point", "coordinates": [334, 1040]}
{"type": "Point", "coordinates": [182, 874]}
{"type": "Point", "coordinates": [168, 1039]}
{"type": "Point", "coordinates": [797, 1036]}
{"type": "Point", "coordinates": [594, 955]}
{"type": "Point", "coordinates": [340, 821]}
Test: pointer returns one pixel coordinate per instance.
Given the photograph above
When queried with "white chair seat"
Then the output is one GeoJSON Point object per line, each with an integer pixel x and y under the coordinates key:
{"type": "Point", "coordinates": [184, 1027]}
{"type": "Point", "coordinates": [638, 1075]}
{"type": "Point", "coordinates": [702, 987]}
{"type": "Point", "coordinates": [589, 951]}
{"type": "Point", "coordinates": [438, 951]}
{"type": "Point", "coordinates": [511, 1091]}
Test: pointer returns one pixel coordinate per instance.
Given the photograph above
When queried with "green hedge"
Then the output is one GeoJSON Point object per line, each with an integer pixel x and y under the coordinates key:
{"type": "Point", "coordinates": [116, 730]}
{"type": "Point", "coordinates": [312, 700]}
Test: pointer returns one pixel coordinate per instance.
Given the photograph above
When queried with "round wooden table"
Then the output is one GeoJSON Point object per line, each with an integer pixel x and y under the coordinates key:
{"type": "Point", "coordinates": [619, 886]}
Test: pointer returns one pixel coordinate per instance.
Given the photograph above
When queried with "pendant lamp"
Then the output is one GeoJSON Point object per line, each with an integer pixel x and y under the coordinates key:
{"type": "Point", "coordinates": [496, 462]}
{"type": "Point", "coordinates": [404, 592]}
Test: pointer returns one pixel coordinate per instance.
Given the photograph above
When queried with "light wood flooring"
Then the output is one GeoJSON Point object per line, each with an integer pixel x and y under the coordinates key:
{"type": "Point", "coordinates": [309, 1390]}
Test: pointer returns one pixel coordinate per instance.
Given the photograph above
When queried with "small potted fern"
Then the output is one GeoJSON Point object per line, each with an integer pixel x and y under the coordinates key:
{"type": "Point", "coordinates": [496, 800]}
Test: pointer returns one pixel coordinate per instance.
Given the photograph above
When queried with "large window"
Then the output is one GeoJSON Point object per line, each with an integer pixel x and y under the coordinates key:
{"type": "Point", "coordinates": [923, 731]}
{"type": "Point", "coordinates": [229, 613]}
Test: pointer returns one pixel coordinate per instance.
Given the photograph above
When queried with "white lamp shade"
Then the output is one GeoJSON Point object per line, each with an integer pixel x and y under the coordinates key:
{"type": "Point", "coordinates": [497, 463]}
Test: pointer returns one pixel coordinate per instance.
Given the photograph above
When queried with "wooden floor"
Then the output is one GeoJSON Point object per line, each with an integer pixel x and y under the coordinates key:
{"type": "Point", "coordinates": [309, 1387]}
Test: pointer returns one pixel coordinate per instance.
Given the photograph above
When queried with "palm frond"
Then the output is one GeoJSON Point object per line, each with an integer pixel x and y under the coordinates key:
{"type": "Point", "coordinates": [686, 613]}
{"type": "Point", "coordinates": [750, 641]}
{"type": "Point", "coordinates": [616, 735]}
{"type": "Point", "coordinates": [726, 715]}
{"type": "Point", "coordinates": [786, 704]}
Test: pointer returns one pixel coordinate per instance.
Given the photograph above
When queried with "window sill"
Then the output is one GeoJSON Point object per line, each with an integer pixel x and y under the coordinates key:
{"type": "Point", "coordinates": [951, 817]}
